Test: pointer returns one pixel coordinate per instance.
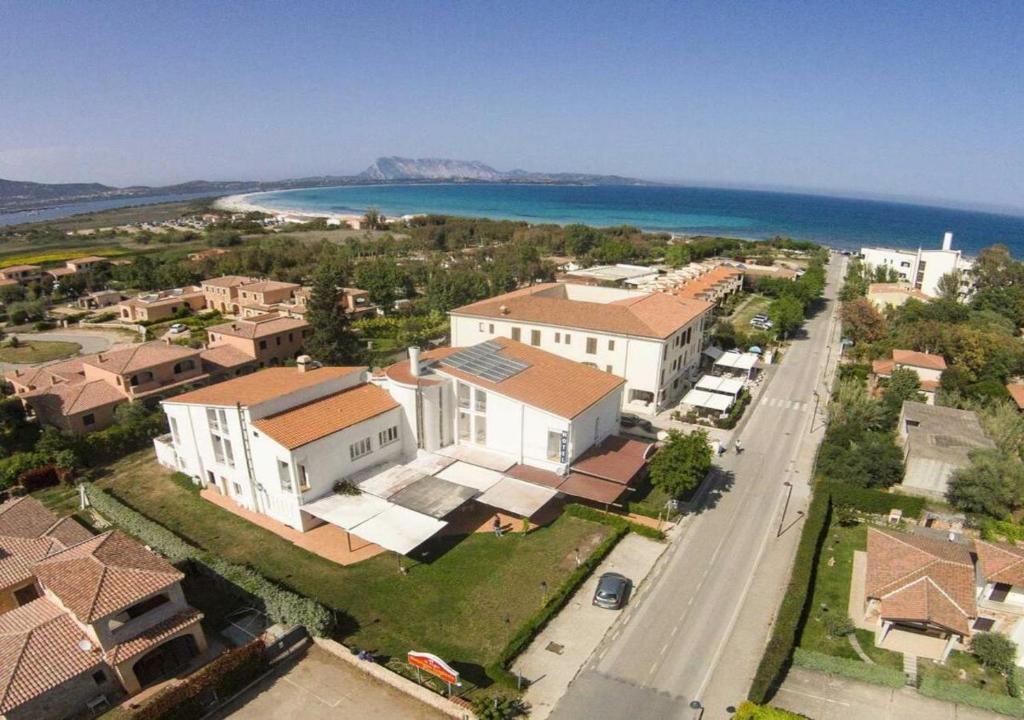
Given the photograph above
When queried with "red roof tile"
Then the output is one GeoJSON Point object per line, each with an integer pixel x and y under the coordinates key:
{"type": "Point", "coordinates": [615, 458]}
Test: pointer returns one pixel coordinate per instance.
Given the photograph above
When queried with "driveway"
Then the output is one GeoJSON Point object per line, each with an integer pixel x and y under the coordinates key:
{"type": "Point", "coordinates": [321, 687]}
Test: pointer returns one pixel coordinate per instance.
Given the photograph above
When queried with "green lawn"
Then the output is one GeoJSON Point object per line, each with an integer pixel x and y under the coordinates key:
{"type": "Point", "coordinates": [37, 351]}
{"type": "Point", "coordinates": [453, 603]}
{"type": "Point", "coordinates": [753, 305]}
{"type": "Point", "coordinates": [977, 676]}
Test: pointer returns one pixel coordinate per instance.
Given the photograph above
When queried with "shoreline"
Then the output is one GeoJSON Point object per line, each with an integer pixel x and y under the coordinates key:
{"type": "Point", "coordinates": [241, 203]}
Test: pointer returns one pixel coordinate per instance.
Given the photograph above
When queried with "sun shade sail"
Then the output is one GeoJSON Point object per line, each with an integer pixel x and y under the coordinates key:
{"type": "Point", "coordinates": [517, 497]}
{"type": "Point", "coordinates": [471, 476]}
{"type": "Point", "coordinates": [399, 529]}
{"type": "Point", "coordinates": [704, 399]}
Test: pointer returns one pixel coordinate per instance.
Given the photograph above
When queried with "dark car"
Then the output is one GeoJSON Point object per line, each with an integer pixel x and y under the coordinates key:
{"type": "Point", "coordinates": [611, 591]}
{"type": "Point", "coordinates": [628, 420]}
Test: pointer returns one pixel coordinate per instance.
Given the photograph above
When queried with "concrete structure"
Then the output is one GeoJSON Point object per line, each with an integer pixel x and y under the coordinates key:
{"type": "Point", "coordinates": [612, 275]}
{"type": "Point", "coordinates": [222, 293]}
{"type": "Point", "coordinates": [152, 307]}
{"type": "Point", "coordinates": [652, 340]}
{"type": "Point", "coordinates": [887, 295]}
{"type": "Point", "coordinates": [85, 619]}
{"type": "Point", "coordinates": [929, 369]}
{"type": "Point", "coordinates": [23, 274]}
{"type": "Point", "coordinates": [922, 269]}
{"type": "Point", "coordinates": [936, 442]}
{"type": "Point", "coordinates": [270, 339]}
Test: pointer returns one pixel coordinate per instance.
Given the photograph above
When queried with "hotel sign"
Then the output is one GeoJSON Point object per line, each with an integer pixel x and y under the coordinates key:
{"type": "Point", "coordinates": [435, 666]}
{"type": "Point", "coordinates": [563, 447]}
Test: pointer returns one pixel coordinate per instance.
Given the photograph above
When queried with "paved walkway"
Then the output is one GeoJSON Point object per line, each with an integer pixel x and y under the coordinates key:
{"type": "Point", "coordinates": [825, 697]}
{"type": "Point", "coordinates": [556, 655]}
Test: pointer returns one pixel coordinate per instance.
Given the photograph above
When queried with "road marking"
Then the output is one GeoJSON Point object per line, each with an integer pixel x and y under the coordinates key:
{"type": "Point", "coordinates": [306, 690]}
{"type": "Point", "coordinates": [816, 697]}
{"type": "Point", "coordinates": [674, 631]}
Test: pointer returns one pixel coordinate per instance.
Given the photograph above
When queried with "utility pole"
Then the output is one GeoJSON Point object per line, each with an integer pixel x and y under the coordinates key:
{"type": "Point", "coordinates": [789, 494]}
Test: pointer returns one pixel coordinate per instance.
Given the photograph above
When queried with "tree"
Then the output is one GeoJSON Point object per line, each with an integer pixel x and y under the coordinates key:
{"type": "Point", "coordinates": [861, 321]}
{"type": "Point", "coordinates": [579, 239]}
{"type": "Point", "coordinates": [381, 278]}
{"type": "Point", "coordinates": [903, 384]}
{"type": "Point", "coordinates": [682, 463]}
{"type": "Point", "coordinates": [374, 220]}
{"type": "Point", "coordinates": [862, 459]}
{"type": "Point", "coordinates": [995, 650]}
{"type": "Point", "coordinates": [854, 407]}
{"type": "Point", "coordinates": [332, 341]}
{"type": "Point", "coordinates": [993, 484]}
{"type": "Point", "coordinates": [948, 286]}
{"type": "Point", "coordinates": [1004, 423]}
{"type": "Point", "coordinates": [447, 289]}
{"type": "Point", "coordinates": [786, 313]}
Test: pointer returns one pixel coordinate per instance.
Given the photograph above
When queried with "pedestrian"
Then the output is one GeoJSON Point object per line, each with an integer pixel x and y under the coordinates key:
{"type": "Point", "coordinates": [496, 524]}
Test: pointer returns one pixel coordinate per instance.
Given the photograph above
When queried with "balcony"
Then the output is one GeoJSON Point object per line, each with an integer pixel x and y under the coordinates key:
{"type": "Point", "coordinates": [153, 387]}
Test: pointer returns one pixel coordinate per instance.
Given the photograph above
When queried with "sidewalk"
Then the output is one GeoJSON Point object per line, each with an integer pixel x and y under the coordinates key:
{"type": "Point", "coordinates": [556, 655]}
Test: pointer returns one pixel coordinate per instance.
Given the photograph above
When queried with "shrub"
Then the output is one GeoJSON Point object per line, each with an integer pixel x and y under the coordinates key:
{"type": "Point", "coordinates": [12, 467]}
{"type": "Point", "coordinates": [794, 608]}
{"type": "Point", "coordinates": [38, 478]}
{"type": "Point", "coordinates": [994, 650]}
{"type": "Point", "coordinates": [968, 695]}
{"type": "Point", "coordinates": [750, 711]}
{"type": "Point", "coordinates": [874, 502]}
{"type": "Point", "coordinates": [845, 667]}
{"type": "Point", "coordinates": [839, 625]}
{"type": "Point", "coordinates": [736, 411]}
{"type": "Point", "coordinates": [499, 708]}
{"type": "Point", "coordinates": [616, 521]}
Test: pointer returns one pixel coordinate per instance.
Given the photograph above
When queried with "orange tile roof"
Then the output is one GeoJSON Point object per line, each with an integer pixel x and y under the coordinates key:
{"type": "Point", "coordinates": [709, 280]}
{"type": "Point", "coordinates": [883, 367]}
{"type": "Point", "coordinates": [261, 386]}
{"type": "Point", "coordinates": [550, 383]}
{"type": "Point", "coordinates": [18, 556]}
{"type": "Point", "coordinates": [615, 458]}
{"type": "Point", "coordinates": [139, 357]}
{"type": "Point", "coordinates": [919, 359]}
{"type": "Point", "coordinates": [921, 579]}
{"type": "Point", "coordinates": [268, 285]}
{"type": "Point", "coordinates": [229, 281]}
{"type": "Point", "coordinates": [1000, 562]}
{"type": "Point", "coordinates": [327, 415]}
{"type": "Point", "coordinates": [168, 298]}
{"type": "Point", "coordinates": [61, 271]}
{"type": "Point", "coordinates": [25, 517]}
{"type": "Point", "coordinates": [260, 326]}
{"type": "Point", "coordinates": [655, 315]}
{"type": "Point", "coordinates": [1016, 391]}
{"type": "Point", "coordinates": [104, 575]}
{"type": "Point", "coordinates": [153, 636]}
{"type": "Point", "coordinates": [68, 532]}
{"type": "Point", "coordinates": [29, 532]}
{"type": "Point", "coordinates": [40, 375]}
{"type": "Point", "coordinates": [74, 398]}
{"type": "Point", "coordinates": [19, 268]}
{"type": "Point", "coordinates": [41, 648]}
{"type": "Point", "coordinates": [225, 356]}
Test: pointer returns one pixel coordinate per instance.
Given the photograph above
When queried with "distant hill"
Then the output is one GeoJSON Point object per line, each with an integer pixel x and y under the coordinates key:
{"type": "Point", "coordinates": [18, 195]}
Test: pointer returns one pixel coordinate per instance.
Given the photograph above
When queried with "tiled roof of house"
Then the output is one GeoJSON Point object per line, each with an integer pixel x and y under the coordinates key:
{"type": "Point", "coordinates": [1000, 562]}
{"type": "Point", "coordinates": [920, 579]}
{"type": "Point", "coordinates": [75, 397]}
{"type": "Point", "coordinates": [105, 574]}
{"type": "Point", "coordinates": [19, 268]}
{"type": "Point", "coordinates": [261, 386]}
{"type": "Point", "coordinates": [702, 284]}
{"type": "Point", "coordinates": [551, 383]}
{"type": "Point", "coordinates": [70, 370]}
{"type": "Point", "coordinates": [68, 532]}
{"type": "Point", "coordinates": [327, 415]}
{"type": "Point", "coordinates": [229, 281]}
{"type": "Point", "coordinates": [25, 517]}
{"type": "Point", "coordinates": [18, 556]}
{"type": "Point", "coordinates": [615, 458]}
{"type": "Point", "coordinates": [259, 326]}
{"type": "Point", "coordinates": [41, 647]}
{"type": "Point", "coordinates": [1016, 391]}
{"type": "Point", "coordinates": [883, 367]}
{"type": "Point", "coordinates": [61, 271]}
{"type": "Point", "coordinates": [88, 259]}
{"type": "Point", "coordinates": [154, 300]}
{"type": "Point", "coordinates": [153, 636]}
{"type": "Point", "coordinates": [139, 357]}
{"type": "Point", "coordinates": [225, 356]}
{"type": "Point", "coordinates": [919, 359]}
{"type": "Point", "coordinates": [654, 315]}
{"type": "Point", "coordinates": [269, 285]}
{"type": "Point", "coordinates": [30, 532]}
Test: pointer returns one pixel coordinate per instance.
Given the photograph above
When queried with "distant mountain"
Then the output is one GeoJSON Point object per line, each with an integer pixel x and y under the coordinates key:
{"type": "Point", "coordinates": [17, 195]}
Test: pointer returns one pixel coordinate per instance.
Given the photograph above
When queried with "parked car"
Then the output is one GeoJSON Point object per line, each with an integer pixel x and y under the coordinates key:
{"type": "Point", "coordinates": [759, 318]}
{"type": "Point", "coordinates": [611, 591]}
{"type": "Point", "coordinates": [629, 421]}
{"type": "Point", "coordinates": [178, 328]}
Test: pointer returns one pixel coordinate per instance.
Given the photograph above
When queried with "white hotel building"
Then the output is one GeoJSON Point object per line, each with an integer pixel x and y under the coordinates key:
{"type": "Point", "coordinates": [652, 340]}
{"type": "Point", "coordinates": [922, 269]}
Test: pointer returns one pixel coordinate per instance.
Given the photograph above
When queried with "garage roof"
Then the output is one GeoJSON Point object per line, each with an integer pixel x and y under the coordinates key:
{"type": "Point", "coordinates": [591, 488]}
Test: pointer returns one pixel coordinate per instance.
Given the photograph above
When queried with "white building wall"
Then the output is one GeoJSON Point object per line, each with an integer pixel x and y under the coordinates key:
{"type": "Point", "coordinates": [1014, 597]}
{"type": "Point", "coordinates": [922, 268]}
{"type": "Point", "coordinates": [594, 424]}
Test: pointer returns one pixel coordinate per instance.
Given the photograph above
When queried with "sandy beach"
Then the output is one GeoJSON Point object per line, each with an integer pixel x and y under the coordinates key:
{"type": "Point", "coordinates": [244, 203]}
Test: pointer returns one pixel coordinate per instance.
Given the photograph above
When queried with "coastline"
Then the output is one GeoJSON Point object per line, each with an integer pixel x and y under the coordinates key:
{"type": "Point", "coordinates": [242, 204]}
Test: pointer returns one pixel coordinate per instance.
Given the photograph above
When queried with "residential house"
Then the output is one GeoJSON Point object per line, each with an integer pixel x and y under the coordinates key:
{"type": "Point", "coordinates": [222, 293]}
{"type": "Point", "coordinates": [713, 286]}
{"type": "Point", "coordinates": [84, 264]}
{"type": "Point", "coordinates": [355, 302]}
{"type": "Point", "coordinates": [271, 339]}
{"type": "Point", "coordinates": [266, 293]}
{"type": "Point", "coordinates": [936, 442]}
{"type": "Point", "coordinates": [929, 369]}
{"type": "Point", "coordinates": [652, 340]}
{"type": "Point", "coordinates": [99, 299]}
{"type": "Point", "coordinates": [23, 274]}
{"type": "Point", "coordinates": [1001, 591]}
{"type": "Point", "coordinates": [922, 269]}
{"type": "Point", "coordinates": [85, 619]}
{"type": "Point", "coordinates": [887, 295]}
{"type": "Point", "coordinates": [156, 306]}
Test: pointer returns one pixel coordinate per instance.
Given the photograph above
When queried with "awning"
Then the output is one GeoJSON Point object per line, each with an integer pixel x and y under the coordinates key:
{"type": "Point", "coordinates": [399, 529]}
{"type": "Point", "coordinates": [615, 458]}
{"type": "Point", "coordinates": [390, 480]}
{"type": "Point", "coordinates": [433, 496]}
{"type": "Point", "coordinates": [517, 497]}
{"type": "Point", "coordinates": [479, 456]}
{"type": "Point", "coordinates": [713, 352]}
{"type": "Point", "coordinates": [470, 476]}
{"type": "Point", "coordinates": [705, 399]}
{"type": "Point", "coordinates": [536, 475]}
{"type": "Point", "coordinates": [346, 511]}
{"type": "Point", "coordinates": [725, 385]}
{"type": "Point", "coordinates": [737, 360]}
{"type": "Point", "coordinates": [591, 488]}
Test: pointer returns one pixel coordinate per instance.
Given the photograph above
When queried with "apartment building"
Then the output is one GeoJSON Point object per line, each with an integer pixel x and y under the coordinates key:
{"type": "Point", "coordinates": [714, 285]}
{"type": "Point", "coordinates": [23, 274]}
{"type": "Point", "coordinates": [922, 269]}
{"type": "Point", "coordinates": [156, 306]}
{"type": "Point", "coordinates": [84, 619]}
{"type": "Point", "coordinates": [271, 339]}
{"type": "Point", "coordinates": [355, 302]}
{"type": "Point", "coordinates": [265, 293]}
{"type": "Point", "coordinates": [652, 340]}
{"type": "Point", "coordinates": [222, 293]}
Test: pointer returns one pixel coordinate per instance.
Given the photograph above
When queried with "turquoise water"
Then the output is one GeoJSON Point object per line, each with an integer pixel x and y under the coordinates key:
{"type": "Point", "coordinates": [839, 222]}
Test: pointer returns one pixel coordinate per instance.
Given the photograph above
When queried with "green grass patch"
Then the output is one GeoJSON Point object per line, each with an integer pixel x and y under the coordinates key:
{"type": "Point", "coordinates": [844, 667]}
{"type": "Point", "coordinates": [753, 305]}
{"type": "Point", "coordinates": [37, 351]}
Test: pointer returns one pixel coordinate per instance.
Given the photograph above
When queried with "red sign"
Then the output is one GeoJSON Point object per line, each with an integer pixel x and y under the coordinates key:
{"type": "Point", "coordinates": [433, 665]}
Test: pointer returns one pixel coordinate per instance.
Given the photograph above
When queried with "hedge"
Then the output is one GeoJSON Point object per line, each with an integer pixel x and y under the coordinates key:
{"type": "Point", "coordinates": [875, 502]}
{"type": "Point", "coordinates": [616, 521]}
{"type": "Point", "coordinates": [852, 669]}
{"type": "Point", "coordinates": [795, 605]}
{"type": "Point", "coordinates": [280, 605]}
{"type": "Point", "coordinates": [1001, 531]}
{"type": "Point", "coordinates": [749, 711]}
{"type": "Point", "coordinates": [498, 671]}
{"type": "Point", "coordinates": [969, 695]}
{"type": "Point", "coordinates": [735, 412]}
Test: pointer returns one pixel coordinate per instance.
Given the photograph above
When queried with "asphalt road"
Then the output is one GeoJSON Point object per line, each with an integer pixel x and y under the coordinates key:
{"type": "Point", "coordinates": [669, 649]}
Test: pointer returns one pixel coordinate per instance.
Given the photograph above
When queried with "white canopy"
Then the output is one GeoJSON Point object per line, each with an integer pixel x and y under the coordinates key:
{"type": "Point", "coordinates": [737, 360]}
{"type": "Point", "coordinates": [517, 497]}
{"type": "Point", "coordinates": [725, 385]}
{"type": "Point", "coordinates": [705, 399]}
{"type": "Point", "coordinates": [399, 529]}
{"type": "Point", "coordinates": [479, 456]}
{"type": "Point", "coordinates": [347, 511]}
{"type": "Point", "coordinates": [390, 480]}
{"type": "Point", "coordinates": [471, 476]}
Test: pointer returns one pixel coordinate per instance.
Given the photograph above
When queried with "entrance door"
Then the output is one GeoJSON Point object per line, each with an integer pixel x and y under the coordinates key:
{"type": "Point", "coordinates": [164, 661]}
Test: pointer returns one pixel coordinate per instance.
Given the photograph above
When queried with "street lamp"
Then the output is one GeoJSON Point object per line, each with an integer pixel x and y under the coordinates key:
{"type": "Point", "coordinates": [544, 589]}
{"type": "Point", "coordinates": [785, 508]}
{"type": "Point", "coordinates": [698, 709]}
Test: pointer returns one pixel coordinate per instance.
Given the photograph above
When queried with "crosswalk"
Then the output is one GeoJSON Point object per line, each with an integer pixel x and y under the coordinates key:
{"type": "Point", "coordinates": [784, 404]}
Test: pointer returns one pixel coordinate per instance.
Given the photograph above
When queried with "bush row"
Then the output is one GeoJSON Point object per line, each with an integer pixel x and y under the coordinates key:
{"type": "Point", "coordinates": [1001, 531]}
{"type": "Point", "coordinates": [281, 605]}
{"type": "Point", "coordinates": [225, 676]}
{"type": "Point", "coordinates": [749, 711]}
{"type": "Point", "coordinates": [498, 671]}
{"type": "Point", "coordinates": [794, 608]}
{"type": "Point", "coordinates": [969, 695]}
{"type": "Point", "coordinates": [852, 669]}
{"type": "Point", "coordinates": [875, 502]}
{"type": "Point", "coordinates": [616, 521]}
{"type": "Point", "coordinates": [735, 412]}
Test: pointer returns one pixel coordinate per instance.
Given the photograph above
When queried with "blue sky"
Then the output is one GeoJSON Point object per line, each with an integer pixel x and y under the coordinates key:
{"type": "Point", "coordinates": [920, 99]}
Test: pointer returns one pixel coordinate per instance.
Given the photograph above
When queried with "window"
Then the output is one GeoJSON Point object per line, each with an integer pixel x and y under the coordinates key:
{"type": "Point", "coordinates": [490, 328]}
{"type": "Point", "coordinates": [480, 327]}
{"type": "Point", "coordinates": [174, 431]}
{"type": "Point", "coordinates": [211, 419]}
{"type": "Point", "coordinates": [229, 453]}
{"type": "Point", "coordinates": [480, 401]}
{"type": "Point", "coordinates": [568, 339]}
{"type": "Point", "coordinates": [359, 449]}
{"type": "Point", "coordinates": [535, 337]}
{"type": "Point", "coordinates": [999, 592]}
{"type": "Point", "coordinates": [554, 445]}
{"type": "Point", "coordinates": [388, 436]}
{"type": "Point", "coordinates": [210, 479]}
{"type": "Point", "coordinates": [983, 624]}
{"type": "Point", "coordinates": [516, 334]}
{"type": "Point", "coordinates": [303, 478]}
{"type": "Point", "coordinates": [611, 344]}
{"type": "Point", "coordinates": [290, 337]}
{"type": "Point", "coordinates": [218, 449]}
{"type": "Point", "coordinates": [463, 426]}
{"type": "Point", "coordinates": [99, 677]}
{"type": "Point", "coordinates": [591, 346]}
{"type": "Point", "coordinates": [236, 489]}
{"type": "Point", "coordinates": [590, 364]}
{"type": "Point", "coordinates": [285, 475]}
{"type": "Point", "coordinates": [558, 337]}
{"type": "Point", "coordinates": [463, 395]}
{"type": "Point", "coordinates": [480, 430]}
{"type": "Point", "coordinates": [141, 608]}
{"type": "Point", "coordinates": [278, 339]}
{"type": "Point", "coordinates": [89, 419]}
{"type": "Point", "coordinates": [263, 344]}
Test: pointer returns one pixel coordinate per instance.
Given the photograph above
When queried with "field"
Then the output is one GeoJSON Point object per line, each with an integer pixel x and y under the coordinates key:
{"type": "Point", "coordinates": [38, 351]}
{"type": "Point", "coordinates": [462, 600]}
{"type": "Point", "coordinates": [53, 256]}
{"type": "Point", "coordinates": [159, 212]}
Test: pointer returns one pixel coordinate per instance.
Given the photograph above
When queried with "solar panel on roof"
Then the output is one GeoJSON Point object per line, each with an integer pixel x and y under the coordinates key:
{"type": "Point", "coordinates": [484, 361]}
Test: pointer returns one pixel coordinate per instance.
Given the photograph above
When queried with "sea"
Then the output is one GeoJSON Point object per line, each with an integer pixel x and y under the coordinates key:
{"type": "Point", "coordinates": [843, 223]}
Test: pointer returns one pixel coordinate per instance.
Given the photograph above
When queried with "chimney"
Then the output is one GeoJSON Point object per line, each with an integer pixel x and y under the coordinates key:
{"type": "Point", "coordinates": [304, 363]}
{"type": "Point", "coordinates": [99, 356]}
{"type": "Point", "coordinates": [504, 310]}
{"type": "Point", "coordinates": [947, 241]}
{"type": "Point", "coordinates": [414, 361]}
